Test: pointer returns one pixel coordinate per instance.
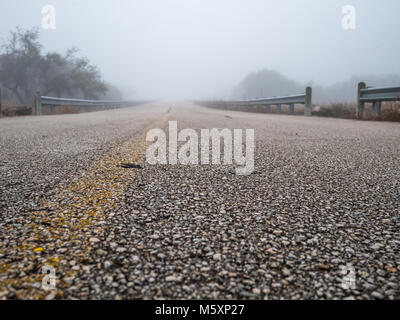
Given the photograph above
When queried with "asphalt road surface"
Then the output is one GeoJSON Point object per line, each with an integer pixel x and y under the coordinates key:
{"type": "Point", "coordinates": [317, 219]}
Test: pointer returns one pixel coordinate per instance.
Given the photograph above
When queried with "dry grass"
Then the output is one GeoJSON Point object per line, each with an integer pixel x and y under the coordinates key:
{"type": "Point", "coordinates": [46, 110]}
{"type": "Point", "coordinates": [12, 110]}
{"type": "Point", "coordinates": [299, 109]}
{"type": "Point", "coordinates": [337, 110]}
{"type": "Point", "coordinates": [390, 110]}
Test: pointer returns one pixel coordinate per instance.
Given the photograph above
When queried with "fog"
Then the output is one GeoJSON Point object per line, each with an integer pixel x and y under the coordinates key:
{"type": "Point", "coordinates": [201, 49]}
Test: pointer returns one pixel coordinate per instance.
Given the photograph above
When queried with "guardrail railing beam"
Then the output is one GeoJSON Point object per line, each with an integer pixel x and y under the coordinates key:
{"type": "Point", "coordinates": [53, 102]}
{"type": "Point", "coordinates": [305, 99]}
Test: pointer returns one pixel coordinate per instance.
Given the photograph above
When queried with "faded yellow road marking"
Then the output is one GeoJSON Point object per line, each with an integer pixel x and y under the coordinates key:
{"type": "Point", "coordinates": [68, 221]}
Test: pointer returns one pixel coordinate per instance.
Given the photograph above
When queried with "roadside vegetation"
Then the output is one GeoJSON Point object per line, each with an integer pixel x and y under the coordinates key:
{"type": "Point", "coordinates": [25, 68]}
{"type": "Point", "coordinates": [390, 111]}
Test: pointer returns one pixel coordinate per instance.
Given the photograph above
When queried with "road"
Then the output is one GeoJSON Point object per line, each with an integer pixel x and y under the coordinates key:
{"type": "Point", "coordinates": [325, 194]}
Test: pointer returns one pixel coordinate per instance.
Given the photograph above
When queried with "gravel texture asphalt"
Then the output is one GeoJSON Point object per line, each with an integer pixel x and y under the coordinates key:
{"type": "Point", "coordinates": [325, 194]}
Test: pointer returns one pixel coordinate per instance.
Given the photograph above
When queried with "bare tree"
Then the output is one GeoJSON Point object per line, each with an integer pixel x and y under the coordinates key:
{"type": "Point", "coordinates": [24, 69]}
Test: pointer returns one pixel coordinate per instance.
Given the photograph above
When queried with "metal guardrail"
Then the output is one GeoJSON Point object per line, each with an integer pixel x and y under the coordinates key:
{"type": "Point", "coordinates": [375, 95]}
{"type": "Point", "coordinates": [291, 100]}
{"type": "Point", "coordinates": [53, 102]}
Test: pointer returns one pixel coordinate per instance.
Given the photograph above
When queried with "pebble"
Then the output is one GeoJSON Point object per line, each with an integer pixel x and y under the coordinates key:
{"type": "Point", "coordinates": [217, 257]}
{"type": "Point", "coordinates": [377, 295]}
{"type": "Point", "coordinates": [173, 279]}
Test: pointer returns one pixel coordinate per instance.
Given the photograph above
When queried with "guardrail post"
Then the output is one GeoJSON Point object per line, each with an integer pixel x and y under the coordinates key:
{"type": "Point", "coordinates": [1, 100]}
{"type": "Point", "coordinates": [376, 109]}
{"type": "Point", "coordinates": [308, 102]}
{"type": "Point", "coordinates": [278, 109]}
{"type": "Point", "coordinates": [360, 104]}
{"type": "Point", "coordinates": [291, 107]}
{"type": "Point", "coordinates": [38, 103]}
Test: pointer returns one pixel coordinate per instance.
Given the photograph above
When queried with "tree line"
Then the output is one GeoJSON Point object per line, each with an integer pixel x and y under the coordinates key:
{"type": "Point", "coordinates": [25, 69]}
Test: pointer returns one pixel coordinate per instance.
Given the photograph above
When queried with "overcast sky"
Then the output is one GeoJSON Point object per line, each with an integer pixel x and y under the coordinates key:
{"type": "Point", "coordinates": [202, 48]}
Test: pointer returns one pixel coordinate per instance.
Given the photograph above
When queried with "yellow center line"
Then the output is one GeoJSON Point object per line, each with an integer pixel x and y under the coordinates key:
{"type": "Point", "coordinates": [69, 220]}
